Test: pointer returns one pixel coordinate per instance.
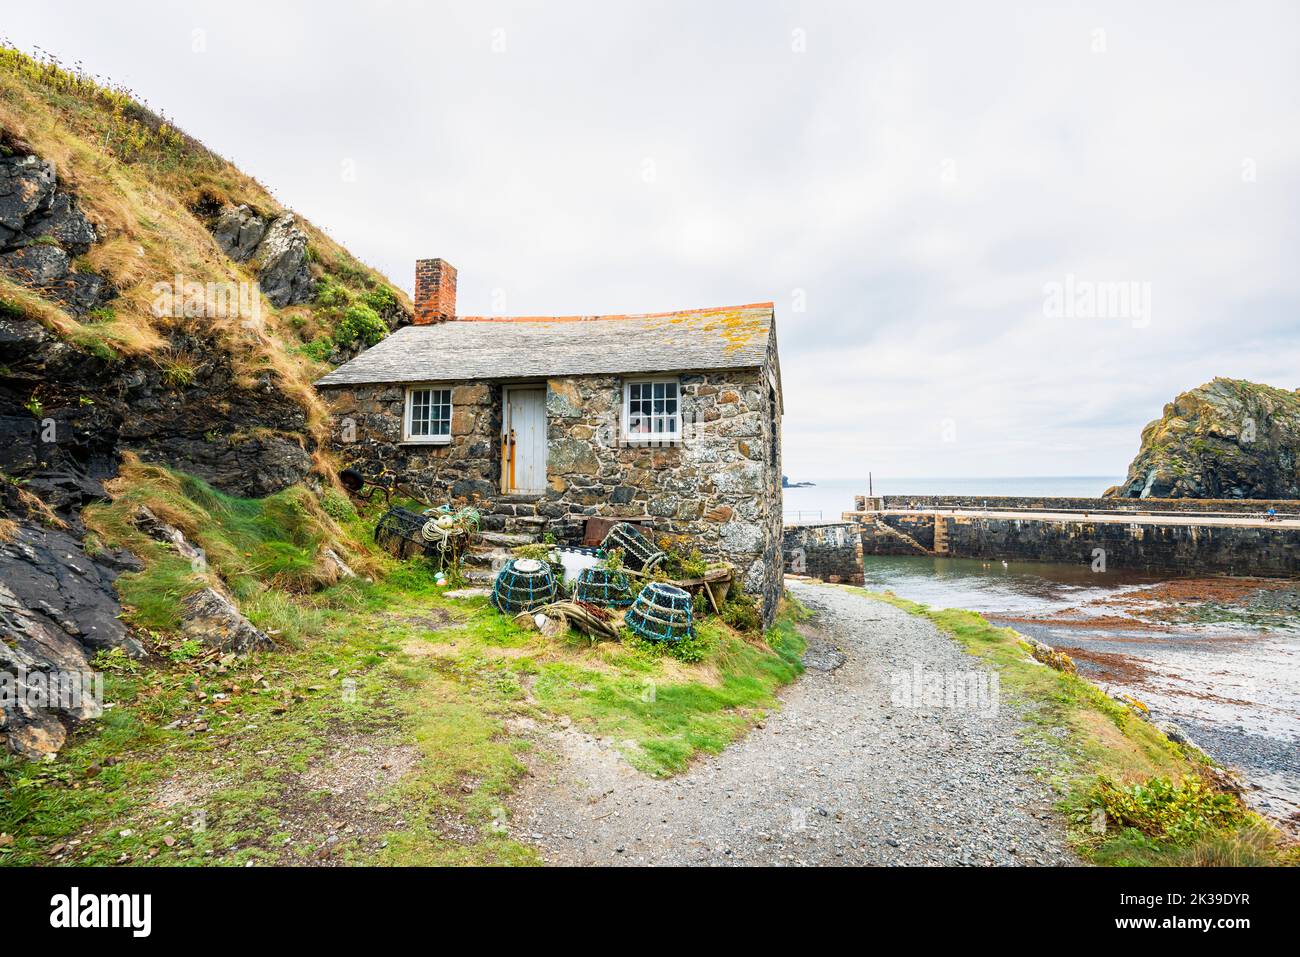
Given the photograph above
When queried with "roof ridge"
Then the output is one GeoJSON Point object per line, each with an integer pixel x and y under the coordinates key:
{"type": "Point", "coordinates": [707, 310]}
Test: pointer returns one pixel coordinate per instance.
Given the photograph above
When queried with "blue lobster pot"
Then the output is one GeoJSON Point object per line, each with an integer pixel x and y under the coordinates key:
{"type": "Point", "coordinates": [524, 584]}
{"type": "Point", "coordinates": [662, 613]}
{"type": "Point", "coordinates": [638, 553]}
{"type": "Point", "coordinates": [600, 586]}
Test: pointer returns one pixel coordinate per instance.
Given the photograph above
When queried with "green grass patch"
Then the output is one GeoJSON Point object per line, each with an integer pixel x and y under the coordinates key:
{"type": "Point", "coordinates": [380, 731]}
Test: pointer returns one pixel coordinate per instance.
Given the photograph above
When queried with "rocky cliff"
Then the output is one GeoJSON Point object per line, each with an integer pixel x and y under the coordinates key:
{"type": "Point", "coordinates": [1225, 439]}
{"type": "Point", "coordinates": [154, 302]}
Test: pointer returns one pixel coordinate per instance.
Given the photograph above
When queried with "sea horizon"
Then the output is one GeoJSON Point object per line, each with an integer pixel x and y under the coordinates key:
{"type": "Point", "coordinates": [826, 499]}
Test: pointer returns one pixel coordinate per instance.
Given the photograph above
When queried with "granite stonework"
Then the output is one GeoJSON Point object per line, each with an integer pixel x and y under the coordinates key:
{"type": "Point", "coordinates": [996, 503]}
{"type": "Point", "coordinates": [830, 551]}
{"type": "Point", "coordinates": [1157, 547]}
{"type": "Point", "coordinates": [719, 488]}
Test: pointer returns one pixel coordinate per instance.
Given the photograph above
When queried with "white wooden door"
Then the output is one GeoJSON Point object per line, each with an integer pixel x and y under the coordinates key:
{"type": "Point", "coordinates": [525, 423]}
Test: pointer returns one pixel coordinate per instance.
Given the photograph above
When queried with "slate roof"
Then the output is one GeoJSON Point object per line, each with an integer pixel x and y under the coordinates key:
{"type": "Point", "coordinates": [490, 347]}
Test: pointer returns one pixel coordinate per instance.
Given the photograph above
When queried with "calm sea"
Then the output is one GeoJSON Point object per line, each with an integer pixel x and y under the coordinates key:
{"type": "Point", "coordinates": [825, 500]}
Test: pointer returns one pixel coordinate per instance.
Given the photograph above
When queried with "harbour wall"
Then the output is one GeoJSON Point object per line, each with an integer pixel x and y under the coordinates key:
{"type": "Point", "coordinates": [1180, 548]}
{"type": "Point", "coordinates": [1002, 503]}
{"type": "Point", "coordinates": [830, 551]}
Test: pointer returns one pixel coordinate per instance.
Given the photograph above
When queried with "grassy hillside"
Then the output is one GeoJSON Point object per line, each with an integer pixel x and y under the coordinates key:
{"type": "Point", "coordinates": [390, 724]}
{"type": "Point", "coordinates": [148, 188]}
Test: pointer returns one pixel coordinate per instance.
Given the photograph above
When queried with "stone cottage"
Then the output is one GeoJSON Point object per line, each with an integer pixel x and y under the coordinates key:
{"type": "Point", "coordinates": [672, 419]}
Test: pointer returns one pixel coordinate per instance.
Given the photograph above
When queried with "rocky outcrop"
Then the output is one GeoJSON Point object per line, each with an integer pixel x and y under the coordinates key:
{"type": "Point", "coordinates": [238, 230]}
{"type": "Point", "coordinates": [277, 247]}
{"type": "Point", "coordinates": [282, 263]}
{"type": "Point", "coordinates": [42, 229]}
{"type": "Point", "coordinates": [65, 417]}
{"type": "Point", "coordinates": [57, 608]}
{"type": "Point", "coordinates": [1225, 439]}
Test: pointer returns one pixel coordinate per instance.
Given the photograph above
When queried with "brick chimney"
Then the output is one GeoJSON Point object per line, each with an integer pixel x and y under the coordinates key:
{"type": "Point", "coordinates": [435, 291]}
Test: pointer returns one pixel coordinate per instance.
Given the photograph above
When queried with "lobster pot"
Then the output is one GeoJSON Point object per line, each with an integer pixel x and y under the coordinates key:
{"type": "Point", "coordinates": [600, 586]}
{"type": "Point", "coordinates": [638, 553]}
{"type": "Point", "coordinates": [523, 585]}
{"type": "Point", "coordinates": [661, 613]}
{"type": "Point", "coordinates": [400, 532]}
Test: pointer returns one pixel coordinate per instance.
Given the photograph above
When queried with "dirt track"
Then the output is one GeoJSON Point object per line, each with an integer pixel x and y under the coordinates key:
{"type": "Point", "coordinates": [840, 775]}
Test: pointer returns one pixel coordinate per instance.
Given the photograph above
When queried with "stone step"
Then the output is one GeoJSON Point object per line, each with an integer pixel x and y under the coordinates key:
{"type": "Point", "coordinates": [506, 539]}
{"type": "Point", "coordinates": [497, 556]}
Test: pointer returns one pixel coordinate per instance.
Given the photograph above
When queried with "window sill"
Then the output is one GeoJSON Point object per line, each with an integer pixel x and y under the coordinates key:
{"type": "Point", "coordinates": [666, 442]}
{"type": "Point", "coordinates": [441, 440]}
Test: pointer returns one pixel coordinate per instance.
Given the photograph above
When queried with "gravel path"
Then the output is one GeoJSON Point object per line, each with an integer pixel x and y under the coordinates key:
{"type": "Point", "coordinates": [839, 775]}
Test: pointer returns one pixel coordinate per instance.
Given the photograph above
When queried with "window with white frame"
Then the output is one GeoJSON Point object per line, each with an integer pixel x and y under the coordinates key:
{"type": "Point", "coordinates": [651, 410]}
{"type": "Point", "coordinates": [428, 415]}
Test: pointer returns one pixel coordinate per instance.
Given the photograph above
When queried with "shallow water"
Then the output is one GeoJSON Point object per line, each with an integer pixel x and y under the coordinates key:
{"type": "Point", "coordinates": [1233, 687]}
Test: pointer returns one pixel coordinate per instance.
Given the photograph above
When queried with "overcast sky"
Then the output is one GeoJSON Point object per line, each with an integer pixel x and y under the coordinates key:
{"type": "Point", "coordinates": [905, 180]}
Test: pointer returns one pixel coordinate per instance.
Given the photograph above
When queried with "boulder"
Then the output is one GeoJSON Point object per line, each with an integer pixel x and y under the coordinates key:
{"type": "Point", "coordinates": [282, 263]}
{"type": "Point", "coordinates": [65, 223]}
{"type": "Point", "coordinates": [26, 188]}
{"type": "Point", "coordinates": [47, 572]}
{"type": "Point", "coordinates": [277, 248]}
{"type": "Point", "coordinates": [341, 568]}
{"type": "Point", "coordinates": [41, 229]}
{"type": "Point", "coordinates": [238, 230]}
{"type": "Point", "coordinates": [146, 521]}
{"type": "Point", "coordinates": [212, 618]}
{"type": "Point", "coordinates": [57, 608]}
{"type": "Point", "coordinates": [37, 265]}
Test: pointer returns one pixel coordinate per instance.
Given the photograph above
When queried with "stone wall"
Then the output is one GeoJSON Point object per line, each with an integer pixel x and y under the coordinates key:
{"type": "Point", "coordinates": [1144, 546]}
{"type": "Point", "coordinates": [1058, 504]}
{"type": "Point", "coordinates": [719, 488]}
{"type": "Point", "coordinates": [368, 431]}
{"type": "Point", "coordinates": [831, 552]}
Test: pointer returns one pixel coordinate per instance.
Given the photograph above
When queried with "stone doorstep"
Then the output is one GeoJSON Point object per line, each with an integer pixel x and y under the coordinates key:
{"type": "Point", "coordinates": [516, 498]}
{"type": "Point", "coordinates": [505, 539]}
{"type": "Point", "coordinates": [485, 559]}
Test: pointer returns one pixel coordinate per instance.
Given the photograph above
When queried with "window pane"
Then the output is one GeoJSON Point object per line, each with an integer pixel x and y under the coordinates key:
{"type": "Point", "coordinates": [419, 412]}
{"type": "Point", "coordinates": [430, 413]}
{"type": "Point", "coordinates": [440, 412]}
{"type": "Point", "coordinates": [652, 408]}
